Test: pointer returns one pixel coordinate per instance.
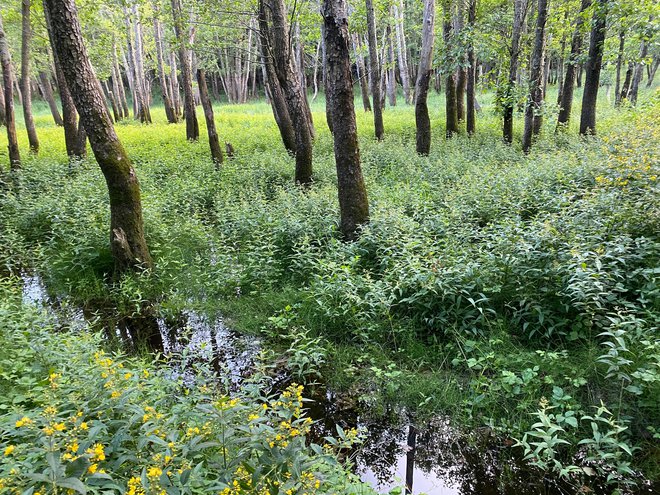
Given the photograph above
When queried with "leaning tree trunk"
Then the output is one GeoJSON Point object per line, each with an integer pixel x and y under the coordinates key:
{"type": "Point", "coordinates": [128, 245]}
{"type": "Point", "coordinates": [10, 117]}
{"type": "Point", "coordinates": [572, 71]}
{"type": "Point", "coordinates": [519, 14]}
{"type": "Point", "coordinates": [451, 104]}
{"type": "Point", "coordinates": [353, 202]}
{"type": "Point", "coordinates": [47, 92]}
{"type": "Point", "coordinates": [536, 76]}
{"type": "Point", "coordinates": [214, 143]}
{"type": "Point", "coordinates": [192, 126]}
{"type": "Point", "coordinates": [26, 88]}
{"type": "Point", "coordinates": [402, 50]}
{"type": "Point", "coordinates": [593, 66]}
{"type": "Point", "coordinates": [638, 74]}
{"type": "Point", "coordinates": [422, 120]}
{"type": "Point", "coordinates": [374, 68]}
{"type": "Point", "coordinates": [361, 73]}
{"type": "Point", "coordinates": [276, 44]}
{"type": "Point", "coordinates": [471, 71]}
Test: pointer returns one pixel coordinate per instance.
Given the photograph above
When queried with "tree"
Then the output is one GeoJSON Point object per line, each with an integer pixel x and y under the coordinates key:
{"type": "Point", "coordinates": [374, 67]}
{"type": "Point", "coordinates": [422, 120]}
{"type": "Point", "coordinates": [471, 70]}
{"type": "Point", "coordinates": [47, 92]}
{"type": "Point", "coordinates": [536, 76]}
{"type": "Point", "coordinates": [127, 242]}
{"type": "Point", "coordinates": [401, 49]}
{"type": "Point", "coordinates": [192, 126]}
{"type": "Point", "coordinates": [214, 144]}
{"type": "Point", "coordinates": [451, 103]}
{"type": "Point", "coordinates": [26, 87]}
{"type": "Point", "coordinates": [566, 104]}
{"type": "Point", "coordinates": [638, 73]}
{"type": "Point", "coordinates": [353, 202]}
{"type": "Point", "coordinates": [519, 15]}
{"type": "Point", "coordinates": [3, 115]}
{"type": "Point", "coordinates": [593, 66]}
{"type": "Point", "coordinates": [170, 113]}
{"type": "Point", "coordinates": [619, 63]}
{"type": "Point", "coordinates": [10, 117]}
{"type": "Point", "coordinates": [276, 43]}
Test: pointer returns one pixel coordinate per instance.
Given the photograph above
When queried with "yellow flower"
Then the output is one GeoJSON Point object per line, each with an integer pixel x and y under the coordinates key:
{"type": "Point", "coordinates": [9, 450]}
{"type": "Point", "coordinates": [97, 453]}
{"type": "Point", "coordinates": [93, 468]}
{"type": "Point", "coordinates": [23, 422]}
{"type": "Point", "coordinates": [115, 394]}
{"type": "Point", "coordinates": [48, 431]}
{"type": "Point", "coordinates": [145, 373]}
{"type": "Point", "coordinates": [127, 375]}
{"type": "Point", "coordinates": [83, 426]}
{"type": "Point", "coordinates": [59, 426]}
{"type": "Point", "coordinates": [154, 472]}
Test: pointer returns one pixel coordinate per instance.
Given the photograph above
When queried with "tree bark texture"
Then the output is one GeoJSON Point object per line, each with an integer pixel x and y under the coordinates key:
{"type": "Point", "coordinates": [26, 88]}
{"type": "Point", "coordinates": [276, 41]}
{"type": "Point", "coordinates": [353, 202]}
{"type": "Point", "coordinates": [422, 119]}
{"type": "Point", "coordinates": [566, 104]}
{"type": "Point", "coordinates": [451, 104]}
{"type": "Point", "coordinates": [374, 68]}
{"type": "Point", "coordinates": [535, 102]}
{"type": "Point", "coordinates": [214, 143]}
{"type": "Point", "coordinates": [10, 117]}
{"type": "Point", "coordinates": [192, 126]}
{"type": "Point", "coordinates": [593, 66]}
{"type": "Point", "coordinates": [127, 242]}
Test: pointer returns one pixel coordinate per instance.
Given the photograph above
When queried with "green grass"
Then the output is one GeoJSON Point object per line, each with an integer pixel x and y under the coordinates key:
{"type": "Point", "coordinates": [478, 289]}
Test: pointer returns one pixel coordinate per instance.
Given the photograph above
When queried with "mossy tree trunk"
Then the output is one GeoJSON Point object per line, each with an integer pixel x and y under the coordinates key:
{"type": "Point", "coordinates": [422, 120]}
{"type": "Point", "coordinates": [10, 117]}
{"type": "Point", "coordinates": [127, 242]}
{"type": "Point", "coordinates": [353, 203]}
{"type": "Point", "coordinates": [214, 143]}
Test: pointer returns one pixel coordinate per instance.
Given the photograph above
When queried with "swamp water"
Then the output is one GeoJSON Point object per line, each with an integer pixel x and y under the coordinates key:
{"type": "Point", "coordinates": [433, 458]}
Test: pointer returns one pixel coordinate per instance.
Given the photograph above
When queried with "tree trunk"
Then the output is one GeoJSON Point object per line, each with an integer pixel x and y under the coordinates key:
{"type": "Point", "coordinates": [536, 76]}
{"type": "Point", "coordinates": [10, 117]}
{"type": "Point", "coordinates": [619, 63]}
{"type": "Point", "coordinates": [353, 202]}
{"type": "Point", "coordinates": [391, 69]}
{"type": "Point", "coordinates": [471, 71]}
{"type": "Point", "coordinates": [566, 104]}
{"type": "Point", "coordinates": [214, 144]}
{"type": "Point", "coordinates": [422, 120]}
{"type": "Point", "coordinates": [401, 50]}
{"type": "Point", "coordinates": [118, 83]}
{"type": "Point", "coordinates": [113, 102]}
{"type": "Point", "coordinates": [626, 82]}
{"type": "Point", "coordinates": [26, 88]}
{"type": "Point", "coordinates": [328, 104]}
{"type": "Point", "coordinates": [174, 86]}
{"type": "Point", "coordinates": [652, 69]}
{"type": "Point", "coordinates": [192, 126]}
{"type": "Point", "coordinates": [559, 80]}
{"type": "Point", "coordinates": [47, 92]}
{"type": "Point", "coordinates": [451, 104]}
{"type": "Point", "coordinates": [3, 114]}
{"type": "Point", "coordinates": [128, 245]}
{"type": "Point", "coordinates": [139, 68]}
{"type": "Point", "coordinates": [276, 43]}
{"type": "Point", "coordinates": [593, 66]}
{"type": "Point", "coordinates": [374, 69]}
{"type": "Point", "coordinates": [158, 40]}
{"type": "Point", "coordinates": [361, 73]}
{"type": "Point", "coordinates": [278, 102]}
{"type": "Point", "coordinates": [519, 14]}
{"type": "Point", "coordinates": [638, 74]}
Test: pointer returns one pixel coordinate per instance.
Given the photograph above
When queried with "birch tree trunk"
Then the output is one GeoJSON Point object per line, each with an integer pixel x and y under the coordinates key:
{"type": "Point", "coordinates": [536, 76]}
{"type": "Point", "coordinates": [391, 68]}
{"type": "Point", "coordinates": [164, 88]}
{"type": "Point", "coordinates": [402, 50]}
{"type": "Point", "coordinates": [374, 70]}
{"type": "Point", "coordinates": [353, 202]}
{"type": "Point", "coordinates": [422, 120]}
{"type": "Point", "coordinates": [10, 117]}
{"type": "Point", "coordinates": [26, 88]}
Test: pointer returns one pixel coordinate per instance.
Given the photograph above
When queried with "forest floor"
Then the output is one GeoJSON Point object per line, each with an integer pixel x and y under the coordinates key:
{"type": "Point", "coordinates": [514, 294]}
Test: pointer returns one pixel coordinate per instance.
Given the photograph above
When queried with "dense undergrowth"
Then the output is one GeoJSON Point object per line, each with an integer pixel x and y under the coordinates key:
{"type": "Point", "coordinates": [516, 291]}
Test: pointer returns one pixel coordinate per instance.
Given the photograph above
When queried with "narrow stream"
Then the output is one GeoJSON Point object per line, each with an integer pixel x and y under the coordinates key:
{"type": "Point", "coordinates": [434, 458]}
